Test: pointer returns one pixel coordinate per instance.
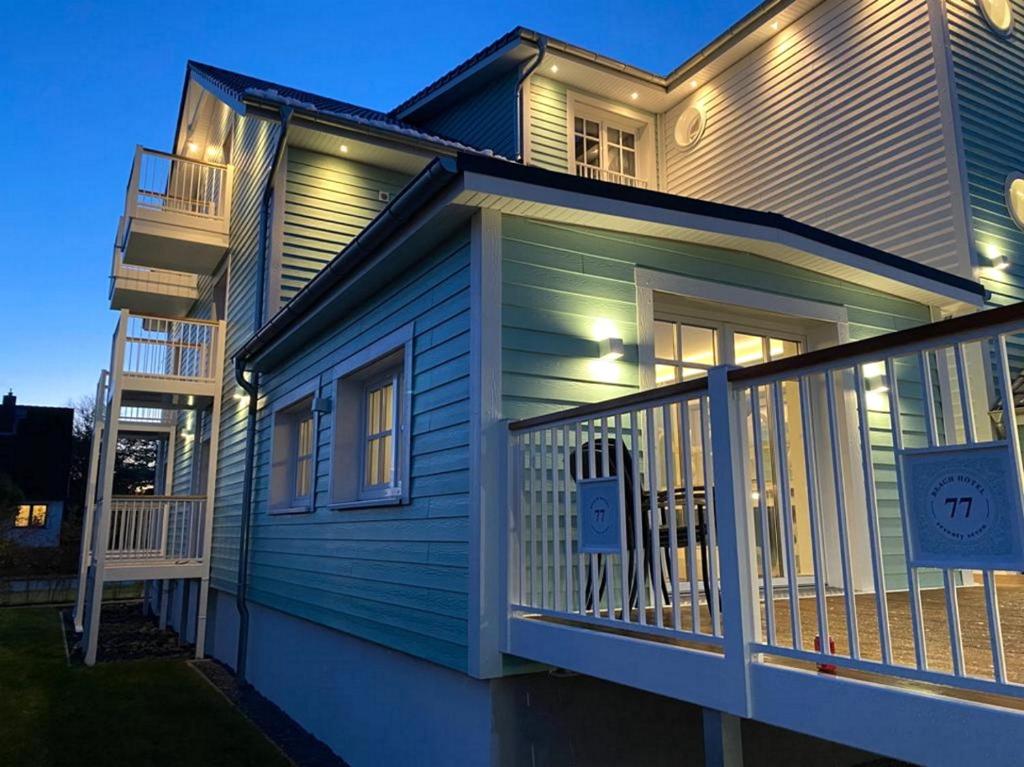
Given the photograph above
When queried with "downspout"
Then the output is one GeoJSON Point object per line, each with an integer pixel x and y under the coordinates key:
{"type": "Point", "coordinates": [251, 388]}
{"type": "Point", "coordinates": [542, 47]}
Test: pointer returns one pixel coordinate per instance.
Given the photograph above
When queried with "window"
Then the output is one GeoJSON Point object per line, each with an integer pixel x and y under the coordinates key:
{"type": "Point", "coordinates": [685, 350]}
{"type": "Point", "coordinates": [371, 435]}
{"type": "Point", "coordinates": [292, 470]}
{"type": "Point", "coordinates": [31, 515]}
{"type": "Point", "coordinates": [998, 14]}
{"type": "Point", "coordinates": [380, 414]}
{"type": "Point", "coordinates": [609, 144]}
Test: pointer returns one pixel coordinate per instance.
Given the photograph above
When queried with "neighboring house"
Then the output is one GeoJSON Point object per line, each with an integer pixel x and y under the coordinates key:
{"type": "Point", "coordinates": [35, 452]}
{"type": "Point", "coordinates": [385, 352]}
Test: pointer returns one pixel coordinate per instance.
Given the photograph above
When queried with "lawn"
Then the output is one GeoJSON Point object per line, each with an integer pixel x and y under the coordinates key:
{"type": "Point", "coordinates": [140, 712]}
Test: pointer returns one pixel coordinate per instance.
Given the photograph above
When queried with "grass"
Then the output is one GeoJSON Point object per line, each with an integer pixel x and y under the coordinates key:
{"type": "Point", "coordinates": [156, 712]}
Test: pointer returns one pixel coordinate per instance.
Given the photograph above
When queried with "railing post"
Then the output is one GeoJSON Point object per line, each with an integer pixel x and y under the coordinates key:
{"type": "Point", "coordinates": [132, 202]}
{"type": "Point", "coordinates": [731, 488]}
{"type": "Point", "coordinates": [509, 531]}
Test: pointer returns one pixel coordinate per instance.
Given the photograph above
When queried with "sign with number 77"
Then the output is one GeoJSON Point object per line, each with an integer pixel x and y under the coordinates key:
{"type": "Point", "coordinates": [963, 509]}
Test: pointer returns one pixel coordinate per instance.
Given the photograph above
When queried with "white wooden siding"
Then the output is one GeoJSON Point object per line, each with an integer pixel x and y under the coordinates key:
{"type": "Point", "coordinates": [836, 122]}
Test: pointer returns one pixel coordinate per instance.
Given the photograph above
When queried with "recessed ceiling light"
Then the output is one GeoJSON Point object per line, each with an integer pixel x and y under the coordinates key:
{"type": "Point", "coordinates": [554, 67]}
{"type": "Point", "coordinates": [192, 146]}
{"type": "Point", "coordinates": [634, 95]}
{"type": "Point", "coordinates": [775, 26]}
{"type": "Point", "coordinates": [693, 83]}
{"type": "Point", "coordinates": [344, 148]}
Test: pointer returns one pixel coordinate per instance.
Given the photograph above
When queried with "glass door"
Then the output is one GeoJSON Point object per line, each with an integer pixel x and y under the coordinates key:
{"type": "Point", "coordinates": [686, 349]}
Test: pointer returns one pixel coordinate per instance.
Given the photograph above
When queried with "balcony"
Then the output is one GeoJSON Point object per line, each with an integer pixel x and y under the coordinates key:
{"type": "Point", "coordinates": [141, 289]}
{"type": "Point", "coordinates": [777, 542]}
{"type": "Point", "coordinates": [155, 536]}
{"type": "Point", "coordinates": [177, 212]}
{"type": "Point", "coordinates": [165, 363]}
{"type": "Point", "coordinates": [601, 174]}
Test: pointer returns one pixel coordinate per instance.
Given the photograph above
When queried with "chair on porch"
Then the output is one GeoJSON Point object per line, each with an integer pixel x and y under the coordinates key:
{"type": "Point", "coordinates": [665, 506]}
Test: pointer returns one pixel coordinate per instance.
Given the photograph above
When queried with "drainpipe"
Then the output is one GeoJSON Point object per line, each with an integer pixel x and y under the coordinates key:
{"type": "Point", "coordinates": [542, 47]}
{"type": "Point", "coordinates": [251, 388]}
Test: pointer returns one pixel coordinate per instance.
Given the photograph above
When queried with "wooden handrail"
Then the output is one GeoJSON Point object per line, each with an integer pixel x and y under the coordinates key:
{"type": "Point", "coordinates": [883, 345]}
{"type": "Point", "coordinates": [619, 403]}
{"type": "Point", "coordinates": [170, 156]}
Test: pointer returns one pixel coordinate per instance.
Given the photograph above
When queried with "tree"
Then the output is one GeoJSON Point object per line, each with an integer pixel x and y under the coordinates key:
{"type": "Point", "coordinates": [11, 498]}
{"type": "Point", "coordinates": [134, 468]}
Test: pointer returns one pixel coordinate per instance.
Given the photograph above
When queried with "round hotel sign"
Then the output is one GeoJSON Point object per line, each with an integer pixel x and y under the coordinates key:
{"type": "Point", "coordinates": [960, 505]}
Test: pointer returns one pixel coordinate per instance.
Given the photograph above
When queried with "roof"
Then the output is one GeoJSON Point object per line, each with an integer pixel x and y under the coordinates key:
{"type": "Point", "coordinates": [241, 87]}
{"type": "Point", "coordinates": [442, 173]}
{"type": "Point", "coordinates": [525, 36]}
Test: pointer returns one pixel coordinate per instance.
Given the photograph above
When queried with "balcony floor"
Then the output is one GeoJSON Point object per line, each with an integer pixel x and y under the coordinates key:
{"type": "Point", "coordinates": [971, 599]}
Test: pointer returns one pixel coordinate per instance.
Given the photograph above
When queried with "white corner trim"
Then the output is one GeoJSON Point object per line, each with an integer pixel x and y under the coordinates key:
{"type": "Point", "coordinates": [487, 445]}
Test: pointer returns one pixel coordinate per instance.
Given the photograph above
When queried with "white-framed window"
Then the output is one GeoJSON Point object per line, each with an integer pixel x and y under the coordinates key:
{"type": "Point", "coordinates": [371, 438]}
{"type": "Point", "coordinates": [608, 142]}
{"type": "Point", "coordinates": [30, 515]}
{"type": "Point", "coordinates": [293, 445]}
{"type": "Point", "coordinates": [379, 451]}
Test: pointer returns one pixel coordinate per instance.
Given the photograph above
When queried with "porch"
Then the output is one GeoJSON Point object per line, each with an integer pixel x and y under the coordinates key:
{"type": "Point", "coordinates": [647, 531]}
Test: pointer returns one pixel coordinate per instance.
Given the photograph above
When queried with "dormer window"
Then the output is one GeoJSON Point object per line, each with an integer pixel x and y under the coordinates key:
{"type": "Point", "coordinates": [610, 143]}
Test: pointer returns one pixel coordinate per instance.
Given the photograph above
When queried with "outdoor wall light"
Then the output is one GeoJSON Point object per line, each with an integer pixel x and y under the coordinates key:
{"type": "Point", "coordinates": [1001, 262]}
{"type": "Point", "coordinates": [610, 348]}
{"type": "Point", "coordinates": [343, 148]}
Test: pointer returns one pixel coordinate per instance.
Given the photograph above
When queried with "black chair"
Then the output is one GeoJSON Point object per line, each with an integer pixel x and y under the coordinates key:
{"type": "Point", "coordinates": [664, 506]}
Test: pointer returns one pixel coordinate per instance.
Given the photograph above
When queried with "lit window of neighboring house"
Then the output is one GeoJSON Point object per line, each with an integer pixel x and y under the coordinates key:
{"type": "Point", "coordinates": [610, 145]}
{"type": "Point", "coordinates": [31, 515]}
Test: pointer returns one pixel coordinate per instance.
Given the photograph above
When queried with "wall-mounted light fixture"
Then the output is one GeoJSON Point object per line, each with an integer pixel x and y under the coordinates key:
{"type": "Point", "coordinates": [1001, 262]}
{"type": "Point", "coordinates": [343, 148]}
{"type": "Point", "coordinates": [610, 348]}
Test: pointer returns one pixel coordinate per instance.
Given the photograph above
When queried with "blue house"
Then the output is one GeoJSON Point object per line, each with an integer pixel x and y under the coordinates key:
{"type": "Point", "coordinates": [569, 407]}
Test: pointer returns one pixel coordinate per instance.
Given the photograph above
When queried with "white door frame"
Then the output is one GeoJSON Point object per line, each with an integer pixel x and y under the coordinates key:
{"type": "Point", "coordinates": [828, 325]}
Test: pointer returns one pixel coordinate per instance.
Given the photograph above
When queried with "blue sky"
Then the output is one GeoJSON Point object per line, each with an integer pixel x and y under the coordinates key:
{"type": "Point", "coordinates": [82, 83]}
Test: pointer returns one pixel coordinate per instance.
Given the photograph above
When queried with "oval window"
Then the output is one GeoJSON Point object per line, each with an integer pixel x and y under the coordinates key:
{"type": "Point", "coordinates": [998, 14]}
{"type": "Point", "coordinates": [690, 127]}
{"type": "Point", "coordinates": [1015, 199]}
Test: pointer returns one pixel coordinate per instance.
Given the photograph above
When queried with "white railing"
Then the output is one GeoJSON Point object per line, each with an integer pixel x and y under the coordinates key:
{"type": "Point", "coordinates": [146, 528]}
{"type": "Point", "coordinates": [659, 574]}
{"type": "Point", "coordinates": [602, 174]}
{"type": "Point", "coordinates": [153, 279]}
{"type": "Point", "coordinates": [158, 347]}
{"type": "Point", "coordinates": [167, 183]}
{"type": "Point", "coordinates": [843, 434]}
{"type": "Point", "coordinates": [766, 511]}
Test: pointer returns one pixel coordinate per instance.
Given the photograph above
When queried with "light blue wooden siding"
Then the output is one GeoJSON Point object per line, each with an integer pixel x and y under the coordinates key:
{"type": "Point", "coordinates": [561, 284]}
{"type": "Point", "coordinates": [393, 575]}
{"type": "Point", "coordinates": [254, 145]}
{"type": "Point", "coordinates": [485, 120]}
{"type": "Point", "coordinates": [548, 128]}
{"type": "Point", "coordinates": [989, 77]}
{"type": "Point", "coordinates": [328, 201]}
